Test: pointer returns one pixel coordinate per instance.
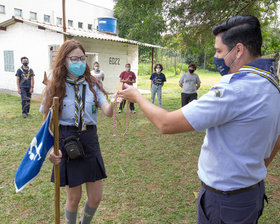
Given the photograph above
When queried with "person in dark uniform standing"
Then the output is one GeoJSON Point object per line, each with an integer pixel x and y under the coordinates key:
{"type": "Point", "coordinates": [79, 95]}
{"type": "Point", "coordinates": [25, 85]}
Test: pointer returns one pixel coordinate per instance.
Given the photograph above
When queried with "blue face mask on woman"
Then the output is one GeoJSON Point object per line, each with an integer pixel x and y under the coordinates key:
{"type": "Point", "coordinates": [221, 66]}
{"type": "Point", "coordinates": [77, 68]}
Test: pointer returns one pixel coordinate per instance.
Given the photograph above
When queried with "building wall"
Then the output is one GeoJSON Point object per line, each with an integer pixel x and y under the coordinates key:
{"type": "Point", "coordinates": [77, 10]}
{"type": "Point", "coordinates": [132, 52]}
{"type": "Point", "coordinates": [112, 57]}
{"type": "Point", "coordinates": [29, 41]}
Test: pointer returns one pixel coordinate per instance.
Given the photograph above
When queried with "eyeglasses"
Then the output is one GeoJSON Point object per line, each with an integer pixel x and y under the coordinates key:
{"type": "Point", "coordinates": [75, 59]}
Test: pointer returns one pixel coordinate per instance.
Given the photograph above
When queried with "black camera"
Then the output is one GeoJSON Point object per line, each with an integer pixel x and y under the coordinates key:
{"type": "Point", "coordinates": [74, 148]}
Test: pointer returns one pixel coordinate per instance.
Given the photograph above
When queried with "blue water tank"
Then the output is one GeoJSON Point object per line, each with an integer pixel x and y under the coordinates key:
{"type": "Point", "coordinates": [107, 25]}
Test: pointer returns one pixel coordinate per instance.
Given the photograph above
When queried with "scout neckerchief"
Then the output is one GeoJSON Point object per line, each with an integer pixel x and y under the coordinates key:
{"type": "Point", "coordinates": [272, 78]}
{"type": "Point", "coordinates": [78, 99]}
{"type": "Point", "coordinates": [26, 75]}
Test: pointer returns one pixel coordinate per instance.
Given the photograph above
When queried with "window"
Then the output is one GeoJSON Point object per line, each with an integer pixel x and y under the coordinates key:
{"type": "Point", "coordinates": [53, 49]}
{"type": "Point", "coordinates": [80, 25]}
{"type": "Point", "coordinates": [18, 12]}
{"type": "Point", "coordinates": [33, 15]}
{"type": "Point", "coordinates": [90, 26]}
{"type": "Point", "coordinates": [9, 61]}
{"type": "Point", "coordinates": [70, 22]}
{"type": "Point", "coordinates": [47, 18]}
{"type": "Point", "coordinates": [58, 21]}
{"type": "Point", "coordinates": [2, 9]}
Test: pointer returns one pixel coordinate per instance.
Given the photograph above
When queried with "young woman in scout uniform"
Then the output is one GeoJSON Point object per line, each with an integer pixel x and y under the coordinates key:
{"type": "Point", "coordinates": [77, 122]}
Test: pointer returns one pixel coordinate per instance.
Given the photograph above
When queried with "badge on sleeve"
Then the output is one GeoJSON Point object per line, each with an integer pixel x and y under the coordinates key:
{"type": "Point", "coordinates": [93, 109]}
{"type": "Point", "coordinates": [217, 92]}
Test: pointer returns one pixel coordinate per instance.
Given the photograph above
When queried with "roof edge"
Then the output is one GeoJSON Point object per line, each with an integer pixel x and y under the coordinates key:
{"type": "Point", "coordinates": [73, 32]}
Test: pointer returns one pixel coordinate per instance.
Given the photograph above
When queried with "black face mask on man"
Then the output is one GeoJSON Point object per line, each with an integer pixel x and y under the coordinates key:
{"type": "Point", "coordinates": [191, 71]}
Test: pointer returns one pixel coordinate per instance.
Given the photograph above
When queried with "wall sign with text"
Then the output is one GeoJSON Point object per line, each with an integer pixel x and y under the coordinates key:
{"type": "Point", "coordinates": [114, 61]}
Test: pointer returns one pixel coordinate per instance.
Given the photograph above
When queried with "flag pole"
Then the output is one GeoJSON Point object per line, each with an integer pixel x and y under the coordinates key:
{"type": "Point", "coordinates": [63, 19]}
{"type": "Point", "coordinates": [56, 167]}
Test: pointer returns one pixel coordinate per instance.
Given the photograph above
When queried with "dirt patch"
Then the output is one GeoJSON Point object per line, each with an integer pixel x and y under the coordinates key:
{"type": "Point", "coordinates": [21, 210]}
{"type": "Point", "coordinates": [276, 182]}
{"type": "Point", "coordinates": [272, 180]}
{"type": "Point", "coordinates": [151, 187]}
{"type": "Point", "coordinates": [140, 133]}
{"type": "Point", "coordinates": [11, 116]}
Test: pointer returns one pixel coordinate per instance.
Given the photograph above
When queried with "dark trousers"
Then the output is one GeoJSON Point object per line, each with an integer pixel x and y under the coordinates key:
{"type": "Point", "coordinates": [239, 208]}
{"type": "Point", "coordinates": [25, 99]}
{"type": "Point", "coordinates": [131, 105]}
{"type": "Point", "coordinates": [187, 98]}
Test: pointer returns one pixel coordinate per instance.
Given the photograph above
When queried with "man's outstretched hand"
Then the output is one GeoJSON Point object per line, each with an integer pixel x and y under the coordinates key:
{"type": "Point", "coordinates": [130, 93]}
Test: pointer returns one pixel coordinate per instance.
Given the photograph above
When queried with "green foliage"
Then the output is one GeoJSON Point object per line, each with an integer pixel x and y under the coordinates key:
{"type": "Point", "coordinates": [186, 26]}
{"type": "Point", "coordinates": [271, 44]}
{"type": "Point", "coordinates": [191, 22]}
{"type": "Point", "coordinates": [144, 69]}
{"type": "Point", "coordinates": [140, 20]}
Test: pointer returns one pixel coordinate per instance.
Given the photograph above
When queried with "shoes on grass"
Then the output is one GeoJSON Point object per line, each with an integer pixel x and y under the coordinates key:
{"type": "Point", "coordinates": [24, 115]}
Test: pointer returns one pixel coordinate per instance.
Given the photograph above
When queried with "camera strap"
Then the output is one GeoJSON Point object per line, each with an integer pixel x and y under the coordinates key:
{"type": "Point", "coordinates": [82, 127]}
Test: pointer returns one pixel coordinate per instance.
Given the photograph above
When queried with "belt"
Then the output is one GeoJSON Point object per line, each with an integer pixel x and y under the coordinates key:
{"type": "Point", "coordinates": [74, 128]}
{"type": "Point", "coordinates": [229, 192]}
{"type": "Point", "coordinates": [157, 84]}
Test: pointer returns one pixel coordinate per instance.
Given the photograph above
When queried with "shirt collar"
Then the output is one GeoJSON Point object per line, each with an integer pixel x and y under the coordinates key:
{"type": "Point", "coordinates": [24, 68]}
{"type": "Point", "coordinates": [265, 68]}
{"type": "Point", "coordinates": [265, 64]}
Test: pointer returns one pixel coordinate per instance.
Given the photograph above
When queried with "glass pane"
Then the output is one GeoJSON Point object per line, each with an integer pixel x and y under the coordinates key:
{"type": "Point", "coordinates": [9, 61]}
{"type": "Point", "coordinates": [33, 15]}
{"type": "Point", "coordinates": [47, 18]}
{"type": "Point", "coordinates": [58, 21]}
{"type": "Point", "coordinates": [18, 12]}
{"type": "Point", "coordinates": [2, 9]}
{"type": "Point", "coordinates": [70, 22]}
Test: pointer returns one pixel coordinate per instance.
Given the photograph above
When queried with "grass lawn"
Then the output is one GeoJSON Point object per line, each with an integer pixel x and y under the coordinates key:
{"type": "Point", "coordinates": [151, 177]}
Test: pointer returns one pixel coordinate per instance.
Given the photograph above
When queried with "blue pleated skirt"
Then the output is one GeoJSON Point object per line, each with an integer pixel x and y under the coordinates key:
{"type": "Point", "coordinates": [88, 169]}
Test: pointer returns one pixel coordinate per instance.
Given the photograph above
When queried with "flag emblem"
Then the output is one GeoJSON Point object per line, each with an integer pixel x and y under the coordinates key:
{"type": "Point", "coordinates": [34, 158]}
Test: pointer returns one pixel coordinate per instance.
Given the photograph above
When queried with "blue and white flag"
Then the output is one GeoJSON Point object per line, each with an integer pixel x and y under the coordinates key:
{"type": "Point", "coordinates": [32, 162]}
